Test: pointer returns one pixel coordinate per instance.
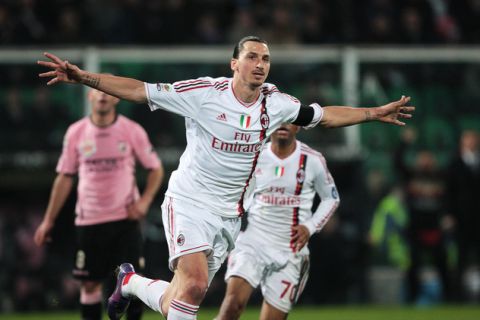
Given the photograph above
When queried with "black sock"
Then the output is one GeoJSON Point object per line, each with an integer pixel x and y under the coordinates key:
{"type": "Point", "coordinates": [91, 311]}
{"type": "Point", "coordinates": [135, 310]}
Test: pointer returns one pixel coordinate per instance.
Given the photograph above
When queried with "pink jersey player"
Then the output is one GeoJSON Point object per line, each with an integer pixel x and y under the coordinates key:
{"type": "Point", "coordinates": [104, 158]}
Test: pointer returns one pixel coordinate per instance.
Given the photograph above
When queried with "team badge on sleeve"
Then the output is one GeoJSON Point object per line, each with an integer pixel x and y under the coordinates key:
{"type": "Point", "coordinates": [164, 87]}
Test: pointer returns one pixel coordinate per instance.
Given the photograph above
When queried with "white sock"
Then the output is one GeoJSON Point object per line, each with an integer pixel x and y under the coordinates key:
{"type": "Point", "coordinates": [148, 290]}
{"type": "Point", "coordinates": [180, 310]}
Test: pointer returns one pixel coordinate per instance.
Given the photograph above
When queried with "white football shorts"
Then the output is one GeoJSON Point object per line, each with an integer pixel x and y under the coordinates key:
{"type": "Point", "coordinates": [282, 276]}
{"type": "Point", "coordinates": [190, 229]}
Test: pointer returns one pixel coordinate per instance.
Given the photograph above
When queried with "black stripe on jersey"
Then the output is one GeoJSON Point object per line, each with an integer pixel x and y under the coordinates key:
{"type": "Point", "coordinates": [194, 87]}
{"type": "Point", "coordinates": [263, 133]}
{"type": "Point", "coordinates": [298, 189]}
{"type": "Point", "coordinates": [184, 85]}
{"type": "Point", "coordinates": [268, 92]}
{"type": "Point", "coordinates": [221, 86]}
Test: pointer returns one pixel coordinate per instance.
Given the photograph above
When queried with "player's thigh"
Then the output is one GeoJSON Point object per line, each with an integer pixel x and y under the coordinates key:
{"type": "Point", "coordinates": [191, 229]}
{"type": "Point", "coordinates": [244, 262]}
{"type": "Point", "coordinates": [89, 260]}
{"type": "Point", "coordinates": [192, 270]}
{"type": "Point", "coordinates": [238, 290]}
{"type": "Point", "coordinates": [282, 288]}
{"type": "Point", "coordinates": [269, 312]}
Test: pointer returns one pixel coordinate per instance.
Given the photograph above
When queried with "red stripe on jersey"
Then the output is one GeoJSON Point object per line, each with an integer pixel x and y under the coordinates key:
{"type": "Point", "coordinates": [193, 87]}
{"type": "Point", "coordinates": [203, 245]}
{"type": "Point", "coordinates": [263, 133]}
{"type": "Point", "coordinates": [220, 84]}
{"type": "Point", "coordinates": [170, 225]}
{"type": "Point", "coordinates": [298, 190]}
{"type": "Point", "coordinates": [189, 83]}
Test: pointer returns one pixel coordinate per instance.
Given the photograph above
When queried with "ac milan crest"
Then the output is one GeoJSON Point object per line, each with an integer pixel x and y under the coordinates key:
{"type": "Point", "coordinates": [264, 121]}
{"type": "Point", "coordinates": [300, 175]}
{"type": "Point", "coordinates": [180, 239]}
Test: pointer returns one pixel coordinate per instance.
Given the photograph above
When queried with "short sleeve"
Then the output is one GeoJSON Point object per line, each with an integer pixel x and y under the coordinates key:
{"type": "Point", "coordinates": [68, 162]}
{"type": "Point", "coordinates": [286, 105]}
{"type": "Point", "coordinates": [183, 97]}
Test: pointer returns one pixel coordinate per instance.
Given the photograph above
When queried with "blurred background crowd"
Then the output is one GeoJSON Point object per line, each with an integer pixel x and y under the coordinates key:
{"type": "Point", "coordinates": [32, 22]}
{"type": "Point", "coordinates": [409, 218]}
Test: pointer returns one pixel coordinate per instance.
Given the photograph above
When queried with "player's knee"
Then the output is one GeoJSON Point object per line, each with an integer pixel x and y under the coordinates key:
{"type": "Point", "coordinates": [234, 305]}
{"type": "Point", "coordinates": [195, 288]}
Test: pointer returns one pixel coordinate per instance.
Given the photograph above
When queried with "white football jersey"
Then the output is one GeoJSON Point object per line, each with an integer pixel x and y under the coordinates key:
{"type": "Point", "coordinates": [224, 139]}
{"type": "Point", "coordinates": [284, 196]}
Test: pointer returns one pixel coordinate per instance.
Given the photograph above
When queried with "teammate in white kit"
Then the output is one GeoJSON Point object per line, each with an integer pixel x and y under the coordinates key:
{"type": "Point", "coordinates": [102, 150]}
{"type": "Point", "coordinates": [272, 251]}
{"type": "Point", "coordinates": [227, 122]}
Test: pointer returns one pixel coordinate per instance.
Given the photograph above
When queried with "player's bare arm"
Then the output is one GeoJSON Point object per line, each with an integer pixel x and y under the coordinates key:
{"type": "Point", "coordinates": [393, 112]}
{"type": "Point", "coordinates": [61, 189]}
{"type": "Point", "coordinates": [139, 209]}
{"type": "Point", "coordinates": [63, 71]}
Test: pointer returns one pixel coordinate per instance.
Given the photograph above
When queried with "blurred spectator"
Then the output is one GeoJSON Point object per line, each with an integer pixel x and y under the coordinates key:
{"type": "Point", "coordinates": [413, 28]}
{"type": "Point", "coordinates": [7, 27]}
{"type": "Point", "coordinates": [207, 30]}
{"type": "Point", "coordinates": [463, 205]}
{"type": "Point", "coordinates": [282, 29]}
{"type": "Point", "coordinates": [425, 188]}
{"type": "Point", "coordinates": [285, 21]}
{"type": "Point", "coordinates": [376, 21]}
{"type": "Point", "coordinates": [466, 14]}
{"type": "Point", "coordinates": [30, 28]}
{"type": "Point", "coordinates": [388, 230]}
{"type": "Point", "coordinates": [70, 27]}
{"type": "Point", "coordinates": [445, 26]}
{"type": "Point", "coordinates": [243, 23]}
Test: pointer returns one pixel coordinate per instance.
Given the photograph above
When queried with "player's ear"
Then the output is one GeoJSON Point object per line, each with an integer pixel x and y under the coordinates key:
{"type": "Point", "coordinates": [233, 64]}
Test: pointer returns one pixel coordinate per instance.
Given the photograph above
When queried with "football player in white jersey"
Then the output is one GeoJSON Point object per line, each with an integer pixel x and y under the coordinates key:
{"type": "Point", "coordinates": [227, 122]}
{"type": "Point", "coordinates": [272, 251]}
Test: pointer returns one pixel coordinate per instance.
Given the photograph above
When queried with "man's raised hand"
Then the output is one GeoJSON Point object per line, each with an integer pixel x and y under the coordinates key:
{"type": "Point", "coordinates": [393, 111]}
{"type": "Point", "coordinates": [62, 71]}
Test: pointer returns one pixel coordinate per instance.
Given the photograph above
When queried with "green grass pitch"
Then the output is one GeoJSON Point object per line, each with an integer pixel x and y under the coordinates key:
{"type": "Point", "coordinates": [310, 313]}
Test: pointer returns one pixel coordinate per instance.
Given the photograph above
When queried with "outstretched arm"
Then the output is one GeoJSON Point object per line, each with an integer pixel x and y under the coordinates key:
{"type": "Point", "coordinates": [340, 116]}
{"type": "Point", "coordinates": [63, 71]}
